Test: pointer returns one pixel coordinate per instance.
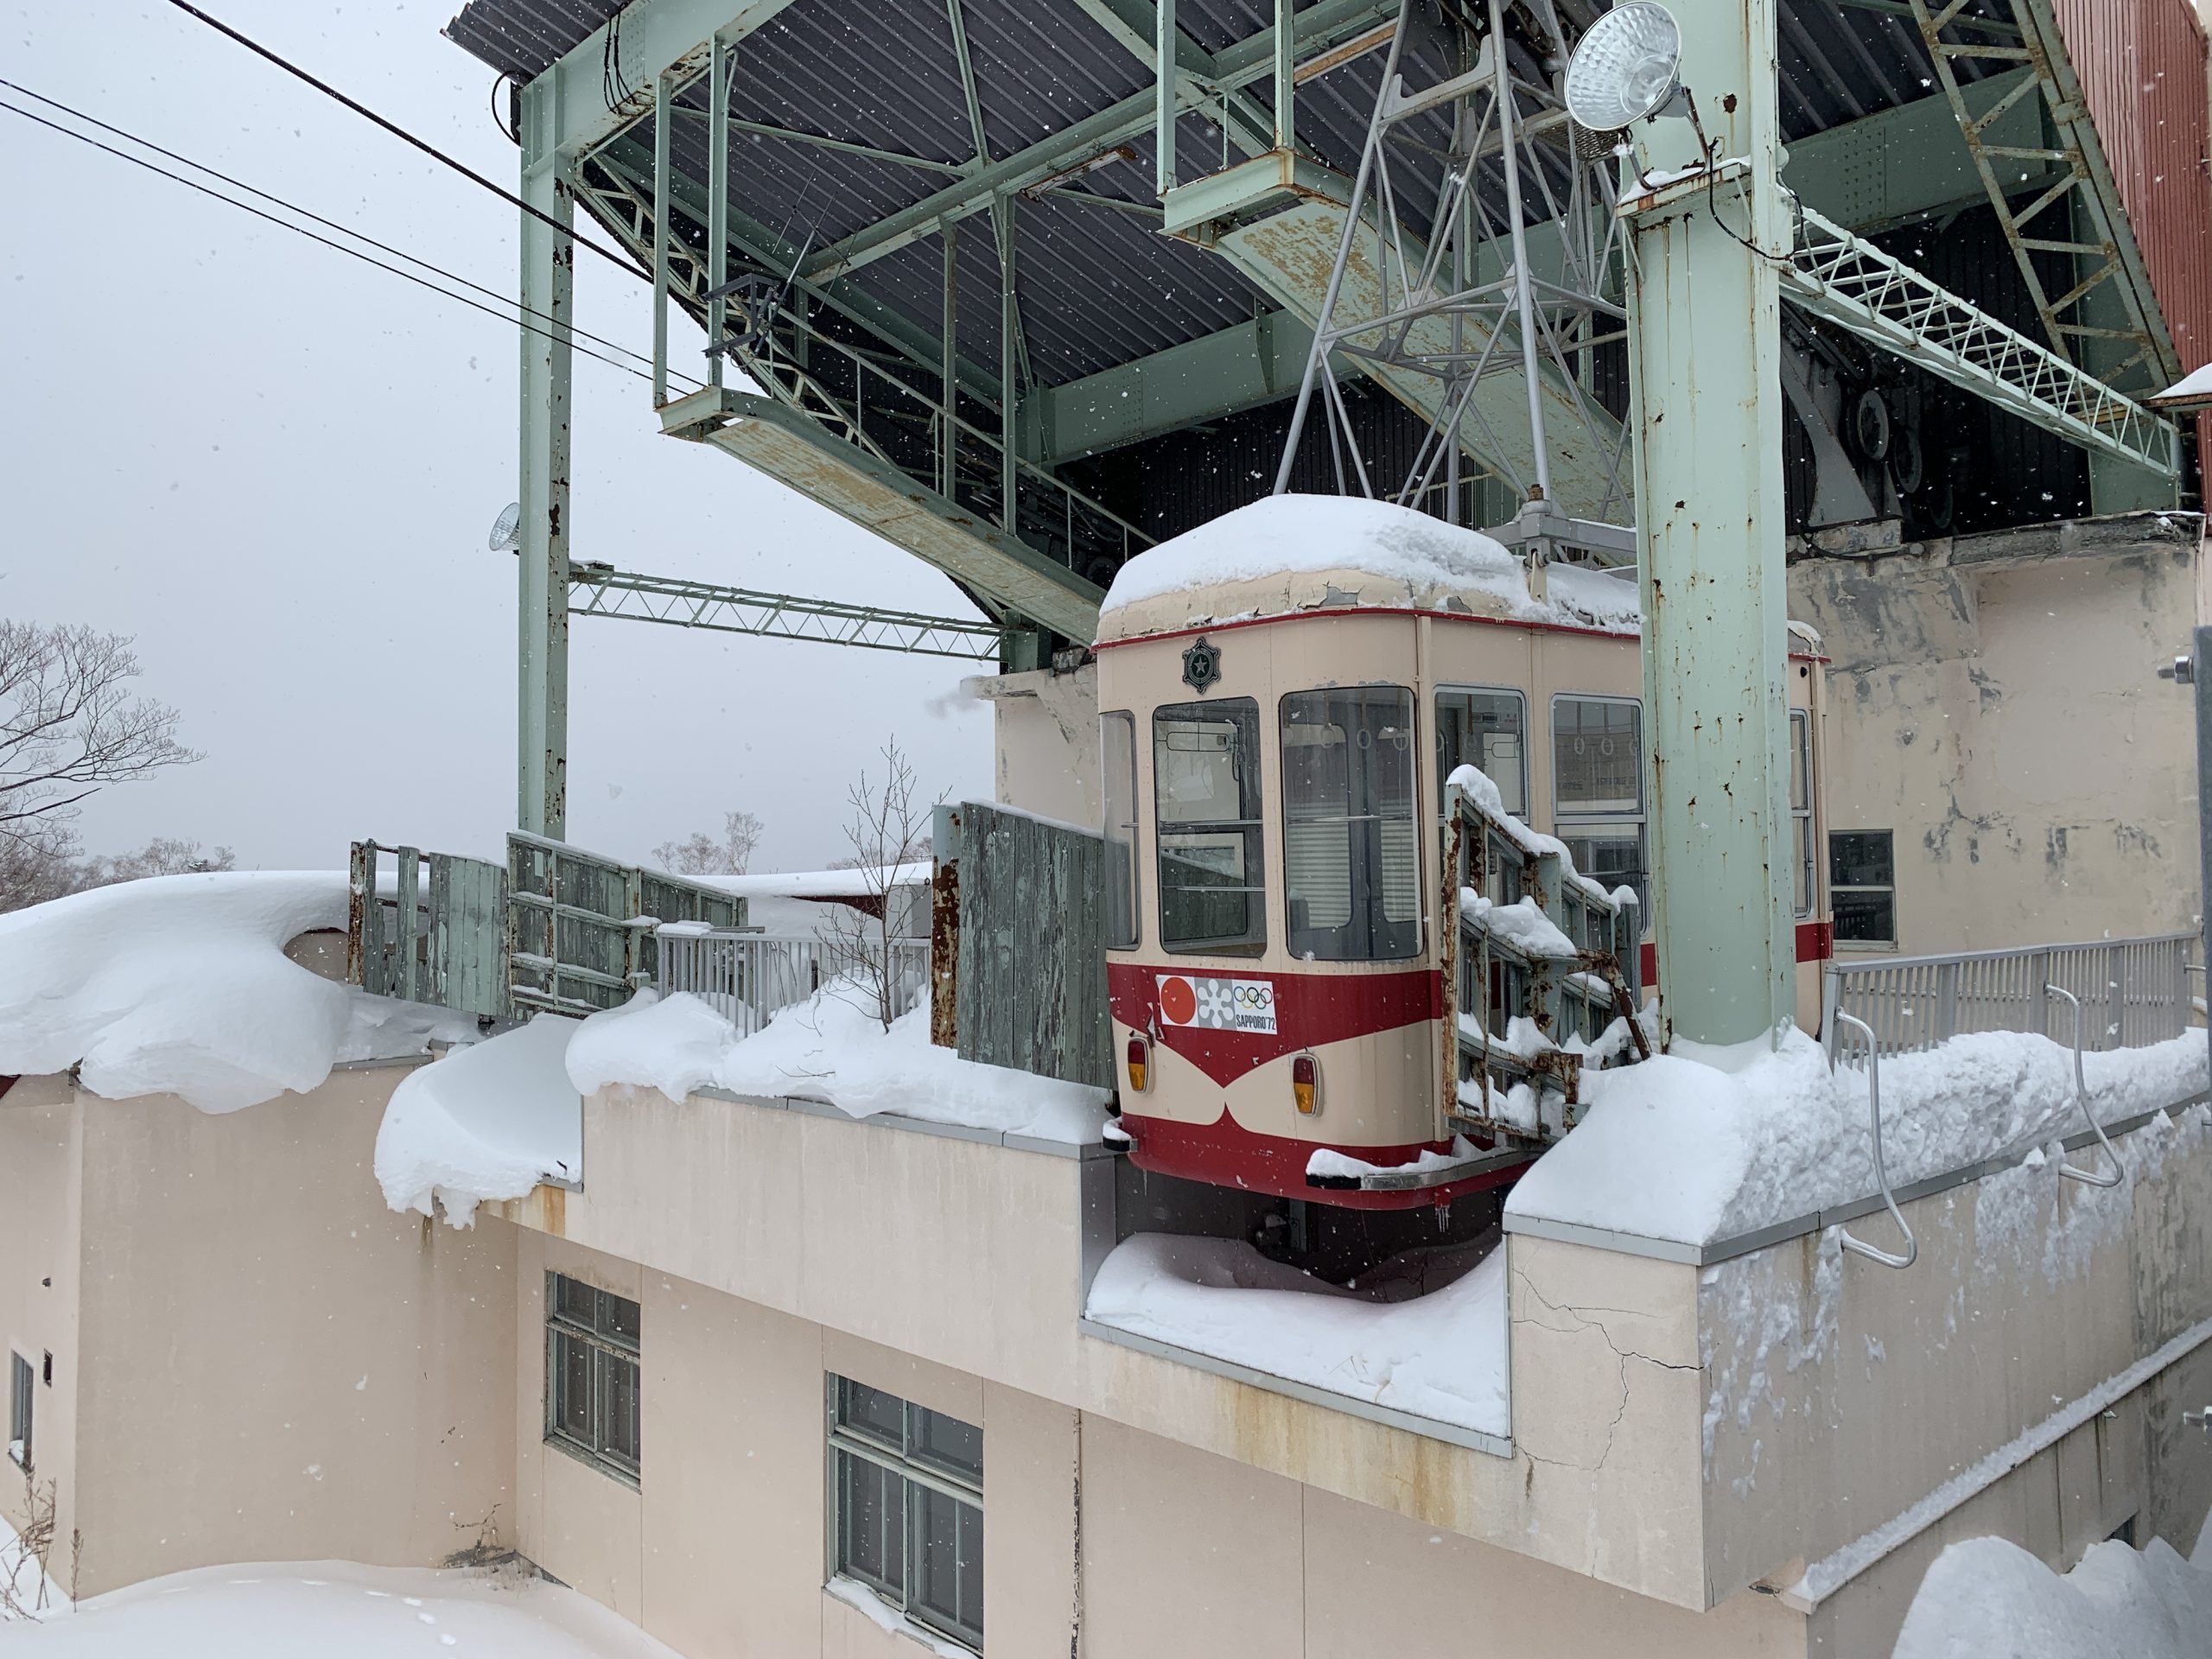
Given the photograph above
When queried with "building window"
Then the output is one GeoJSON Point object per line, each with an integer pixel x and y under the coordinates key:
{"type": "Point", "coordinates": [1800, 808]}
{"type": "Point", "coordinates": [1484, 729]}
{"type": "Point", "coordinates": [907, 1523]}
{"type": "Point", "coordinates": [1597, 790]}
{"type": "Point", "coordinates": [1863, 885]}
{"type": "Point", "coordinates": [1118, 752]}
{"type": "Point", "coordinates": [20, 1378]}
{"type": "Point", "coordinates": [1205, 787]}
{"type": "Point", "coordinates": [591, 1374]}
{"type": "Point", "coordinates": [1352, 868]}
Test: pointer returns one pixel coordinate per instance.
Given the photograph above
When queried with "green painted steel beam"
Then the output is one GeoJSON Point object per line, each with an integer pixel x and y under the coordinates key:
{"type": "Point", "coordinates": [1240, 367]}
{"type": "Point", "coordinates": [652, 37]}
{"type": "Point", "coordinates": [601, 590]}
{"type": "Point", "coordinates": [996, 566]}
{"type": "Point", "coordinates": [1705, 363]}
{"type": "Point", "coordinates": [1908, 163]}
{"type": "Point", "coordinates": [1239, 66]}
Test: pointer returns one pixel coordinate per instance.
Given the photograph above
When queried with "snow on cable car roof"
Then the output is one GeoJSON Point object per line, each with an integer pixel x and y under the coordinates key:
{"type": "Point", "coordinates": [1288, 553]}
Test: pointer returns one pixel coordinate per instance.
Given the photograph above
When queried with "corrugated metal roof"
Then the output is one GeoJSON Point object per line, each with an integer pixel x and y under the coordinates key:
{"type": "Point", "coordinates": [1099, 287]}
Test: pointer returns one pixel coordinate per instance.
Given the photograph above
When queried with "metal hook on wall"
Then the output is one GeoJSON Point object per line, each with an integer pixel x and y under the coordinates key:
{"type": "Point", "coordinates": [2081, 1095]}
{"type": "Point", "coordinates": [1881, 1174]}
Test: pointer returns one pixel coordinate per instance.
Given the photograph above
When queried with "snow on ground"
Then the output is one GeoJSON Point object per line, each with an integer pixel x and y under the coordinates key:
{"type": "Point", "coordinates": [1440, 1355]}
{"type": "Point", "coordinates": [826, 1048]}
{"type": "Point", "coordinates": [179, 984]}
{"type": "Point", "coordinates": [487, 1122]}
{"type": "Point", "coordinates": [1288, 536]}
{"type": "Point", "coordinates": [1702, 1144]}
{"type": "Point", "coordinates": [1988, 1597]}
{"type": "Point", "coordinates": [849, 883]}
{"type": "Point", "coordinates": [335, 1610]}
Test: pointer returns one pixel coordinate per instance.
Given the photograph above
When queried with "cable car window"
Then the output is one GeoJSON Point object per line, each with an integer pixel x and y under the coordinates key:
{"type": "Point", "coordinates": [1117, 750]}
{"type": "Point", "coordinates": [1205, 786]}
{"type": "Point", "coordinates": [1351, 874]}
{"type": "Point", "coordinates": [1597, 790]}
{"type": "Point", "coordinates": [1800, 806]}
{"type": "Point", "coordinates": [1484, 729]}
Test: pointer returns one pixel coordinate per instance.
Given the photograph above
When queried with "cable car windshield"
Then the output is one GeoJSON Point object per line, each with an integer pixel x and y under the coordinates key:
{"type": "Point", "coordinates": [1206, 793]}
{"type": "Point", "coordinates": [1350, 871]}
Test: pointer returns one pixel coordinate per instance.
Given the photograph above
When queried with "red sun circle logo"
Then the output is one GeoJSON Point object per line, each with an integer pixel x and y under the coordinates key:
{"type": "Point", "coordinates": [1178, 1002]}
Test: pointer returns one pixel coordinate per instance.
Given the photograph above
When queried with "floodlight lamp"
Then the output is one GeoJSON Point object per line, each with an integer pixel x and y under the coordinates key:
{"type": "Point", "coordinates": [507, 528]}
{"type": "Point", "coordinates": [1626, 69]}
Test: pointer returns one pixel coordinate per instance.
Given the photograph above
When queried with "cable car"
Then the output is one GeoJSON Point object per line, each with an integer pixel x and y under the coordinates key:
{"type": "Point", "coordinates": [1284, 693]}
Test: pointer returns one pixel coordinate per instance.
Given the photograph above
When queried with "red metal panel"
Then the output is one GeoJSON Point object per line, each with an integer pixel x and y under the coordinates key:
{"type": "Point", "coordinates": [2143, 68]}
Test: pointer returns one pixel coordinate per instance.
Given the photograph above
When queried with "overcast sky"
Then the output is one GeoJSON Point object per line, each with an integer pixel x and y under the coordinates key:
{"type": "Point", "coordinates": [275, 466]}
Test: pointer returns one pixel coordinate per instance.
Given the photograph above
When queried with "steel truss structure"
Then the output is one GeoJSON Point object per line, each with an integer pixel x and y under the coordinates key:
{"type": "Point", "coordinates": [2097, 247]}
{"type": "Point", "coordinates": [601, 590]}
{"type": "Point", "coordinates": [1469, 301]}
{"type": "Point", "coordinates": [1853, 283]}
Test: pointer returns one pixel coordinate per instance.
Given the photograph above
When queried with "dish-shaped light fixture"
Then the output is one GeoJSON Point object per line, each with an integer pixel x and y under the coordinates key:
{"type": "Point", "coordinates": [1626, 69]}
{"type": "Point", "coordinates": [507, 528]}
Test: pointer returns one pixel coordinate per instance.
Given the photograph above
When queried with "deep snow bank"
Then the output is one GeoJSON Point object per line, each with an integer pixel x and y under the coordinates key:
{"type": "Point", "coordinates": [826, 1048]}
{"type": "Point", "coordinates": [335, 1610]}
{"type": "Point", "coordinates": [487, 1122]}
{"type": "Point", "coordinates": [1988, 1596]}
{"type": "Point", "coordinates": [179, 984]}
{"type": "Point", "coordinates": [1440, 1355]}
{"type": "Point", "coordinates": [1702, 1144]}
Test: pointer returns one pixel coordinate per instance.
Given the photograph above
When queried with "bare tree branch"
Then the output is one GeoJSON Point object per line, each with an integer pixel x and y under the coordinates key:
{"type": "Point", "coordinates": [889, 826]}
{"type": "Point", "coordinates": [70, 725]}
{"type": "Point", "coordinates": [700, 854]}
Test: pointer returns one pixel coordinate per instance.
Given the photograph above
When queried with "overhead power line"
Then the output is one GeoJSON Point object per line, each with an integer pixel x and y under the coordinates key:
{"type": "Point", "coordinates": [523, 319]}
{"type": "Point", "coordinates": [400, 132]}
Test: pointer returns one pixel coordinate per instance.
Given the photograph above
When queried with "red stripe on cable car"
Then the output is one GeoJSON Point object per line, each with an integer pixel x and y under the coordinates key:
{"type": "Point", "coordinates": [1226, 1154]}
{"type": "Point", "coordinates": [1816, 942]}
{"type": "Point", "coordinates": [1392, 610]}
{"type": "Point", "coordinates": [1311, 1009]}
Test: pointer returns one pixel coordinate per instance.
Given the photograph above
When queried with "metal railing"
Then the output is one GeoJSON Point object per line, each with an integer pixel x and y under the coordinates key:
{"type": "Point", "coordinates": [2132, 993]}
{"type": "Point", "coordinates": [748, 978]}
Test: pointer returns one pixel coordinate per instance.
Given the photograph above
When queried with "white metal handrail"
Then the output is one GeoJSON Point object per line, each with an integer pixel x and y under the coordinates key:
{"type": "Point", "coordinates": [1915, 1003]}
{"type": "Point", "coordinates": [1859, 1246]}
{"type": "Point", "coordinates": [2082, 1094]}
{"type": "Point", "coordinates": [748, 978]}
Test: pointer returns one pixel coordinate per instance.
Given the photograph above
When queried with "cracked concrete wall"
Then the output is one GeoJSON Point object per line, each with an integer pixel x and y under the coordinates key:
{"type": "Point", "coordinates": [1840, 1393]}
{"type": "Point", "coordinates": [1045, 731]}
{"type": "Point", "coordinates": [2003, 716]}
{"type": "Point", "coordinates": [1607, 1390]}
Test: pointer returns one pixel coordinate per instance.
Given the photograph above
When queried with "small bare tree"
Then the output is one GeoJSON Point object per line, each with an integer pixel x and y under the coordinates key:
{"type": "Point", "coordinates": [700, 854]}
{"type": "Point", "coordinates": [26, 1585]}
{"type": "Point", "coordinates": [69, 725]}
{"type": "Point", "coordinates": [888, 826]}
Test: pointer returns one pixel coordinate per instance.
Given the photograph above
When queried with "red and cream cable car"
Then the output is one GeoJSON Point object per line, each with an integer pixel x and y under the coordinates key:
{"type": "Point", "coordinates": [1283, 693]}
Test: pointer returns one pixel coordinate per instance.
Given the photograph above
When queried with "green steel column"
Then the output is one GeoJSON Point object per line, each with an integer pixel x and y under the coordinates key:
{"type": "Point", "coordinates": [1285, 77]}
{"type": "Point", "coordinates": [719, 65]}
{"type": "Point", "coordinates": [1164, 96]}
{"type": "Point", "coordinates": [548, 290]}
{"type": "Point", "coordinates": [1704, 316]}
{"type": "Point", "coordinates": [1009, 377]}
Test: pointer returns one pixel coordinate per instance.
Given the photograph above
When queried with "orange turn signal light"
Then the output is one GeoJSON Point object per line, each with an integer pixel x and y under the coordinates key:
{"type": "Point", "coordinates": [1140, 1063]}
{"type": "Point", "coordinates": [1306, 1085]}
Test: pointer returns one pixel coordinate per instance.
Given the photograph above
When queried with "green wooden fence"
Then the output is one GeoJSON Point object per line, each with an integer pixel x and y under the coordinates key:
{"type": "Point", "coordinates": [1027, 955]}
{"type": "Point", "coordinates": [581, 926]}
{"type": "Point", "coordinates": [439, 937]}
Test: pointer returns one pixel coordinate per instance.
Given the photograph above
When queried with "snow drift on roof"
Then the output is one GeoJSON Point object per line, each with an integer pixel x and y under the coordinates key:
{"type": "Point", "coordinates": [1703, 1144]}
{"type": "Point", "coordinates": [826, 1048]}
{"type": "Point", "coordinates": [485, 1122]}
{"type": "Point", "coordinates": [1440, 1355]}
{"type": "Point", "coordinates": [1291, 535]}
{"type": "Point", "coordinates": [179, 984]}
